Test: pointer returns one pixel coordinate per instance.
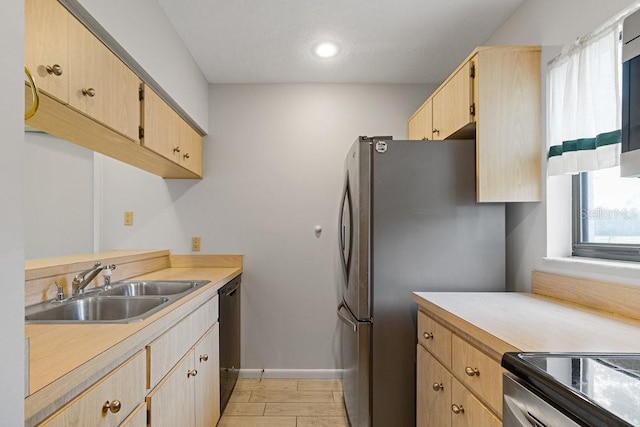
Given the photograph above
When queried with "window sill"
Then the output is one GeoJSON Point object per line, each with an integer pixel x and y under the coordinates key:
{"type": "Point", "coordinates": [623, 272]}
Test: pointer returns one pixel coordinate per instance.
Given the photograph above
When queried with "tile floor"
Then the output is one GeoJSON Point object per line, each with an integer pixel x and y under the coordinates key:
{"type": "Point", "coordinates": [285, 403]}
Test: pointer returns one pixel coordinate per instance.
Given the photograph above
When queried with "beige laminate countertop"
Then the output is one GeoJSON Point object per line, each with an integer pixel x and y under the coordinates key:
{"type": "Point", "coordinates": [508, 321]}
{"type": "Point", "coordinates": [58, 349]}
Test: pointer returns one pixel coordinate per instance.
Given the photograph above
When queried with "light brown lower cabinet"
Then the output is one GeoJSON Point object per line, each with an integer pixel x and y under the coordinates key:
{"type": "Point", "coordinates": [207, 382]}
{"type": "Point", "coordinates": [174, 381]}
{"type": "Point", "coordinates": [108, 402]}
{"type": "Point", "coordinates": [456, 383]}
{"type": "Point", "coordinates": [442, 401]}
{"type": "Point", "coordinates": [433, 392]}
{"type": "Point", "coordinates": [189, 395]}
{"type": "Point", "coordinates": [467, 411]}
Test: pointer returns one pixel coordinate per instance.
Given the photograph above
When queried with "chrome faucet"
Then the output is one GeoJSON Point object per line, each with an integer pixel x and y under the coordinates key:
{"type": "Point", "coordinates": [82, 279]}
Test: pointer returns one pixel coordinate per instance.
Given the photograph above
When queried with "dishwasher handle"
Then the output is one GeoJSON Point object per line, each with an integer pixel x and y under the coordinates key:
{"type": "Point", "coordinates": [345, 318]}
{"type": "Point", "coordinates": [230, 289]}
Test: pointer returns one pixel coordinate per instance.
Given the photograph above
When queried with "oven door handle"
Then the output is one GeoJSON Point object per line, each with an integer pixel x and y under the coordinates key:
{"type": "Point", "coordinates": [517, 415]}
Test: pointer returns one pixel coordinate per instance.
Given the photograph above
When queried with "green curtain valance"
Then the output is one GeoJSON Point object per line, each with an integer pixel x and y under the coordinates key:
{"type": "Point", "coordinates": [585, 154]}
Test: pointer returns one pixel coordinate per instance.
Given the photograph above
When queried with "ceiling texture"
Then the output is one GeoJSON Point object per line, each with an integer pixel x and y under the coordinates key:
{"type": "Point", "coordinates": [380, 41]}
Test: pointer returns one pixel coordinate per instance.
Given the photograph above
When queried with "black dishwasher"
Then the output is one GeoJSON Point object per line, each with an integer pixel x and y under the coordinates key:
{"type": "Point", "coordinates": [229, 339]}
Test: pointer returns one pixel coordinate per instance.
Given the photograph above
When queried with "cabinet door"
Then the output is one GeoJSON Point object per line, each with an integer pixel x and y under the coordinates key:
{"type": "Point", "coordinates": [171, 403]}
{"type": "Point", "coordinates": [124, 385]}
{"type": "Point", "coordinates": [190, 143]}
{"type": "Point", "coordinates": [160, 123]}
{"type": "Point", "coordinates": [452, 103]}
{"type": "Point", "coordinates": [435, 337]}
{"type": "Point", "coordinates": [420, 124]}
{"type": "Point", "coordinates": [508, 125]}
{"type": "Point", "coordinates": [207, 382]}
{"type": "Point", "coordinates": [478, 372]}
{"type": "Point", "coordinates": [428, 120]}
{"type": "Point", "coordinates": [467, 411]}
{"type": "Point", "coordinates": [100, 85]}
{"type": "Point", "coordinates": [46, 46]}
{"type": "Point", "coordinates": [433, 392]}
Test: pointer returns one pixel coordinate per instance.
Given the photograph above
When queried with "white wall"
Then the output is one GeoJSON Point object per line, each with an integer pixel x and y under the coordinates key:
{"type": "Point", "coordinates": [11, 228]}
{"type": "Point", "coordinates": [273, 166]}
{"type": "Point", "coordinates": [58, 197]}
{"type": "Point", "coordinates": [144, 31]}
{"type": "Point", "coordinates": [552, 24]}
{"type": "Point", "coordinates": [555, 22]}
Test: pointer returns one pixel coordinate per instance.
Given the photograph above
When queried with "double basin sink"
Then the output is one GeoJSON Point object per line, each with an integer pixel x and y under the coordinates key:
{"type": "Point", "coordinates": [121, 302]}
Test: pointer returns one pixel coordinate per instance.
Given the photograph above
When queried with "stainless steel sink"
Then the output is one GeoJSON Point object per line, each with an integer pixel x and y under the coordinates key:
{"type": "Point", "coordinates": [121, 302]}
{"type": "Point", "coordinates": [155, 287]}
{"type": "Point", "coordinates": [98, 309]}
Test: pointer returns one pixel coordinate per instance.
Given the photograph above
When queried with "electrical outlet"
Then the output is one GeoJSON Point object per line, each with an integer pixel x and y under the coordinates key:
{"type": "Point", "coordinates": [195, 244]}
{"type": "Point", "coordinates": [128, 217]}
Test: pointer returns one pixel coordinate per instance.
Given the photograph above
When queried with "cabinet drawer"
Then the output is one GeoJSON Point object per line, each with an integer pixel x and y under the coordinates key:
{"type": "Point", "coordinates": [125, 384]}
{"type": "Point", "coordinates": [435, 338]}
{"type": "Point", "coordinates": [478, 372]}
{"type": "Point", "coordinates": [471, 412]}
{"type": "Point", "coordinates": [165, 351]}
{"type": "Point", "coordinates": [433, 391]}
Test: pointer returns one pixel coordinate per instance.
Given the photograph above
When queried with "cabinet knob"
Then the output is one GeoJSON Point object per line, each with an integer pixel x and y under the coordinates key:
{"type": "Point", "coordinates": [436, 131]}
{"type": "Point", "coordinates": [176, 149]}
{"type": "Point", "coordinates": [91, 92]}
{"type": "Point", "coordinates": [437, 386]}
{"type": "Point", "coordinates": [192, 373]}
{"type": "Point", "coordinates": [471, 371]}
{"type": "Point", "coordinates": [204, 357]}
{"type": "Point", "coordinates": [424, 138]}
{"type": "Point", "coordinates": [54, 69]}
{"type": "Point", "coordinates": [113, 406]}
{"type": "Point", "coordinates": [427, 335]}
{"type": "Point", "coordinates": [457, 409]}
{"type": "Point", "coordinates": [185, 156]}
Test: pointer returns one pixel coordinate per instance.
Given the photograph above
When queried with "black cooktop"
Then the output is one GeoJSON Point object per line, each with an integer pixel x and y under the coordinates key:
{"type": "Point", "coordinates": [593, 389]}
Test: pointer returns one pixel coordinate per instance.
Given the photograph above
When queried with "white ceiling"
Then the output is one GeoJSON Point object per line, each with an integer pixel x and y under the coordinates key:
{"type": "Point", "coordinates": [381, 41]}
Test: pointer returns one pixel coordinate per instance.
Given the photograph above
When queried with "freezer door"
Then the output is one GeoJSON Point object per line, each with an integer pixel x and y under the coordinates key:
{"type": "Point", "coordinates": [356, 347]}
{"type": "Point", "coordinates": [354, 233]}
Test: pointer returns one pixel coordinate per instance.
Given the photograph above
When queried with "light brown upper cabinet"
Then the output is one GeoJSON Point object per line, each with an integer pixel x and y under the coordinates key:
{"type": "Point", "coordinates": [452, 103]}
{"type": "Point", "coordinates": [47, 46]}
{"type": "Point", "coordinates": [74, 67]}
{"type": "Point", "coordinates": [494, 97]}
{"type": "Point", "coordinates": [167, 134]}
{"type": "Point", "coordinates": [91, 98]}
{"type": "Point", "coordinates": [100, 85]}
{"type": "Point", "coordinates": [420, 124]}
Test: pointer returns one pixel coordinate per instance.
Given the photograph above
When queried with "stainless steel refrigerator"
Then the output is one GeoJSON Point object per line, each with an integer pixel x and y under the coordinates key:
{"type": "Point", "coordinates": [409, 222]}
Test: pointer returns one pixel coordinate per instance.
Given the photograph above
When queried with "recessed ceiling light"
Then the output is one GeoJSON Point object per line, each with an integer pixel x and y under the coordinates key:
{"type": "Point", "coordinates": [326, 50]}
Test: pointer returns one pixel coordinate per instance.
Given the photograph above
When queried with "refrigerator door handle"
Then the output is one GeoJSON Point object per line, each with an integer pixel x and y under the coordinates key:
{"type": "Point", "coordinates": [346, 246]}
{"type": "Point", "coordinates": [346, 319]}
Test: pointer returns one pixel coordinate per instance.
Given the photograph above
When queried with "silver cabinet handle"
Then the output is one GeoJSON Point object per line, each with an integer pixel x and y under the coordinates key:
{"type": "Point", "coordinates": [437, 386]}
{"type": "Point", "coordinates": [427, 335]}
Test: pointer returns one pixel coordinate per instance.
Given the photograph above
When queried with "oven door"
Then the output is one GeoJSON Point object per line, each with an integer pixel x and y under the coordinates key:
{"type": "Point", "coordinates": [523, 408]}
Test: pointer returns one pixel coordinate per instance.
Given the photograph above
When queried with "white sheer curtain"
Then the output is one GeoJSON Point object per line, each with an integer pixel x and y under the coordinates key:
{"type": "Point", "coordinates": [584, 107]}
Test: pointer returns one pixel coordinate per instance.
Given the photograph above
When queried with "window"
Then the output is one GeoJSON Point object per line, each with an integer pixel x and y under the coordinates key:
{"type": "Point", "coordinates": [606, 215]}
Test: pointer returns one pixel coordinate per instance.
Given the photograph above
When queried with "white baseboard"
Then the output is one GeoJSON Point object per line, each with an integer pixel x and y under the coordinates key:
{"type": "Point", "coordinates": [324, 374]}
